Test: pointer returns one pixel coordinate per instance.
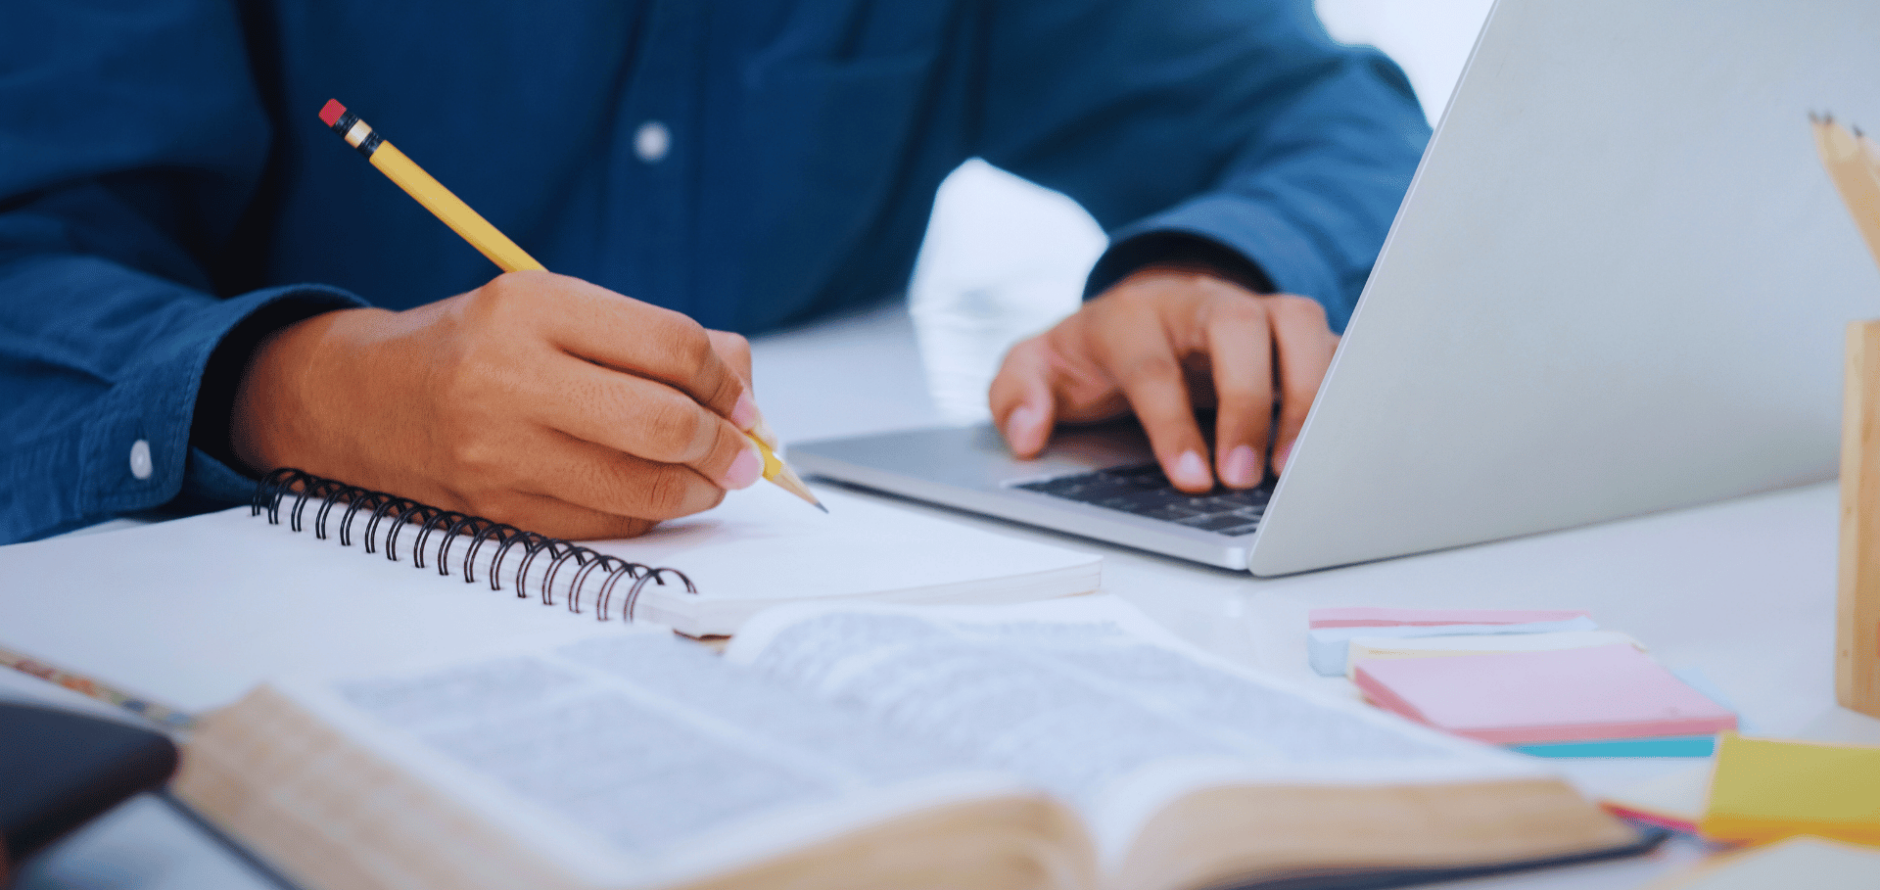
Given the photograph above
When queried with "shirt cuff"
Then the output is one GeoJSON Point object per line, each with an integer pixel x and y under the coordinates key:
{"type": "Point", "coordinates": [1285, 258]}
{"type": "Point", "coordinates": [1164, 247]}
{"type": "Point", "coordinates": [134, 452]}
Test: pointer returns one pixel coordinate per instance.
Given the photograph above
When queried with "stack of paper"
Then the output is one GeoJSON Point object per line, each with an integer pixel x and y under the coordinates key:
{"type": "Point", "coordinates": [1368, 648]}
{"type": "Point", "coordinates": [1570, 696]}
{"type": "Point", "coordinates": [1335, 634]}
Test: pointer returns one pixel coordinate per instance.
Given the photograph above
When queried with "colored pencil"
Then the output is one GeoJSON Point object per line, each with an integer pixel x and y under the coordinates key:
{"type": "Point", "coordinates": [1853, 162]}
{"type": "Point", "coordinates": [170, 718]}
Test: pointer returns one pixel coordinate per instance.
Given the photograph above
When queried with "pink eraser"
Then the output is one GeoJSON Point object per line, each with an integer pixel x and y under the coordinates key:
{"type": "Point", "coordinates": [330, 114]}
{"type": "Point", "coordinates": [1367, 616]}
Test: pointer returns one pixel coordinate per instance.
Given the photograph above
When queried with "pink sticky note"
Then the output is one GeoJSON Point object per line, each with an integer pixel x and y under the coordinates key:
{"type": "Point", "coordinates": [1568, 695]}
{"type": "Point", "coordinates": [1368, 616]}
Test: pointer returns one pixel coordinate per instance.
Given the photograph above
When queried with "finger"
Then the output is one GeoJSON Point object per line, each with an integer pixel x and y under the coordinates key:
{"type": "Point", "coordinates": [645, 419]}
{"type": "Point", "coordinates": [1241, 356]}
{"type": "Point", "coordinates": [604, 480]}
{"type": "Point", "coordinates": [1023, 406]}
{"type": "Point", "coordinates": [1139, 351]}
{"type": "Point", "coordinates": [620, 332]}
{"type": "Point", "coordinates": [735, 351]}
{"type": "Point", "coordinates": [1304, 345]}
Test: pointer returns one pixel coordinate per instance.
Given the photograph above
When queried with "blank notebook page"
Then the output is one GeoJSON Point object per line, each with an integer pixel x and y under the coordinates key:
{"type": "Point", "coordinates": [194, 612]}
{"type": "Point", "coordinates": [1568, 695]}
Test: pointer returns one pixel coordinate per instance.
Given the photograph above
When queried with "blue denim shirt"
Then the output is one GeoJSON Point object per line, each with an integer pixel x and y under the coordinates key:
{"type": "Point", "coordinates": [165, 179]}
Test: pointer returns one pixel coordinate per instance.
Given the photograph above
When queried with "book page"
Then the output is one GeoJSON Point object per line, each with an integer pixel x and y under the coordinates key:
{"type": "Point", "coordinates": [638, 757]}
{"type": "Point", "coordinates": [1091, 700]}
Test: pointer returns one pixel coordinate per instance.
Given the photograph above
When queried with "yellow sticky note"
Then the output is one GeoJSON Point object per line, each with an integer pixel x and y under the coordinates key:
{"type": "Point", "coordinates": [1764, 790]}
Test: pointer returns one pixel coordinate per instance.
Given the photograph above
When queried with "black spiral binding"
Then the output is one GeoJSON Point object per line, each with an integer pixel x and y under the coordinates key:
{"type": "Point", "coordinates": [306, 488]}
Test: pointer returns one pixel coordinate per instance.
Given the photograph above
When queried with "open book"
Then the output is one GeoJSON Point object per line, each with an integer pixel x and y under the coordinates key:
{"type": "Point", "coordinates": [1068, 744]}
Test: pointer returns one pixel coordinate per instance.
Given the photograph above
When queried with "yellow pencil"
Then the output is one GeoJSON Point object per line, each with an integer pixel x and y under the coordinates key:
{"type": "Point", "coordinates": [500, 250]}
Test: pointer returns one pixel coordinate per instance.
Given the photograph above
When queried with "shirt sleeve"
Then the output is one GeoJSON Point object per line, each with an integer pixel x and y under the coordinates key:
{"type": "Point", "coordinates": [131, 140]}
{"type": "Point", "coordinates": [1204, 126]}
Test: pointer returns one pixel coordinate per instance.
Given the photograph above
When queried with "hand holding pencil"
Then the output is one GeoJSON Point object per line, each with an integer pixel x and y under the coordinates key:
{"type": "Point", "coordinates": [537, 399]}
{"type": "Point", "coordinates": [503, 252]}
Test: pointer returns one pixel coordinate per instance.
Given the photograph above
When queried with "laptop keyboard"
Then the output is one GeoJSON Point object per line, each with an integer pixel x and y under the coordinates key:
{"type": "Point", "coordinates": [1144, 491]}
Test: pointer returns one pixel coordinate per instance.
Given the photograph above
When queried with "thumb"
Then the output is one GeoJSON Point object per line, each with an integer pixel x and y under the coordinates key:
{"type": "Point", "coordinates": [1022, 403]}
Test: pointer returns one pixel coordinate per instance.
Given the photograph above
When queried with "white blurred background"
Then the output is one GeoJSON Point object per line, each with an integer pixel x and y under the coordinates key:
{"type": "Point", "coordinates": [1004, 258]}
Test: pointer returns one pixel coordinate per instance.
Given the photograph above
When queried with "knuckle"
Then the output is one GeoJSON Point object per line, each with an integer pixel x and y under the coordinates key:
{"type": "Point", "coordinates": [674, 429]}
{"type": "Point", "coordinates": [476, 457]}
{"type": "Point", "coordinates": [735, 345]}
{"type": "Point", "coordinates": [628, 527]}
{"type": "Point", "coordinates": [668, 491]}
{"type": "Point", "coordinates": [1156, 367]}
{"type": "Point", "coordinates": [502, 293]}
{"type": "Point", "coordinates": [690, 345]}
{"type": "Point", "coordinates": [1236, 308]}
{"type": "Point", "coordinates": [507, 300]}
{"type": "Point", "coordinates": [1296, 308]}
{"type": "Point", "coordinates": [1241, 319]}
{"type": "Point", "coordinates": [1139, 299]}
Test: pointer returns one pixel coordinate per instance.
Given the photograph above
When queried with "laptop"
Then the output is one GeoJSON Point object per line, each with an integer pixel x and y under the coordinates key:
{"type": "Point", "coordinates": [1617, 285]}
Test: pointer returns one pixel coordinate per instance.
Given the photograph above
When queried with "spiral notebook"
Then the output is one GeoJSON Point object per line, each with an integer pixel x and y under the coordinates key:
{"type": "Point", "coordinates": [317, 575]}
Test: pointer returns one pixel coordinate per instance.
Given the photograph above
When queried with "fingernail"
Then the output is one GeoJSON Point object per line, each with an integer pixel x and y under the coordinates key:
{"type": "Point", "coordinates": [744, 413]}
{"type": "Point", "coordinates": [1022, 424]}
{"type": "Point", "coordinates": [744, 472]}
{"type": "Point", "coordinates": [1241, 467]}
{"type": "Point", "coordinates": [1280, 456]}
{"type": "Point", "coordinates": [1192, 472]}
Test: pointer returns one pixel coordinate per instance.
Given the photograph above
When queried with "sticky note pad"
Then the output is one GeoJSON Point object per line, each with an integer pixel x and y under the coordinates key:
{"type": "Point", "coordinates": [1653, 746]}
{"type": "Point", "coordinates": [1366, 648]}
{"type": "Point", "coordinates": [1567, 695]}
{"type": "Point", "coordinates": [1372, 616]}
{"type": "Point", "coordinates": [1327, 647]}
{"type": "Point", "coordinates": [1763, 789]}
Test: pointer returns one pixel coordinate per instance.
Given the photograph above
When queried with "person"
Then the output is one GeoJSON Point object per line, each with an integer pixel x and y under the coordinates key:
{"type": "Point", "coordinates": [198, 284]}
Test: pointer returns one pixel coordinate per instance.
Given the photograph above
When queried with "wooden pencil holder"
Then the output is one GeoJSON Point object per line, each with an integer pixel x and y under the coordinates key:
{"type": "Point", "coordinates": [1857, 618]}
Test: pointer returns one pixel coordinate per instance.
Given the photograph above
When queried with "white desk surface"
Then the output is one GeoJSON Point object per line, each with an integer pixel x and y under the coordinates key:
{"type": "Point", "coordinates": [1742, 591]}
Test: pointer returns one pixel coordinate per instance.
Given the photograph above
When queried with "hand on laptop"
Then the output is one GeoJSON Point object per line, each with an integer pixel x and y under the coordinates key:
{"type": "Point", "coordinates": [537, 400]}
{"type": "Point", "coordinates": [1162, 342]}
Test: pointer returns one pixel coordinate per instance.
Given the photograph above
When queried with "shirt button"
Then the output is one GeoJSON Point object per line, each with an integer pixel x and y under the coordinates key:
{"type": "Point", "coordinates": [140, 459]}
{"type": "Point", "coordinates": [651, 141]}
